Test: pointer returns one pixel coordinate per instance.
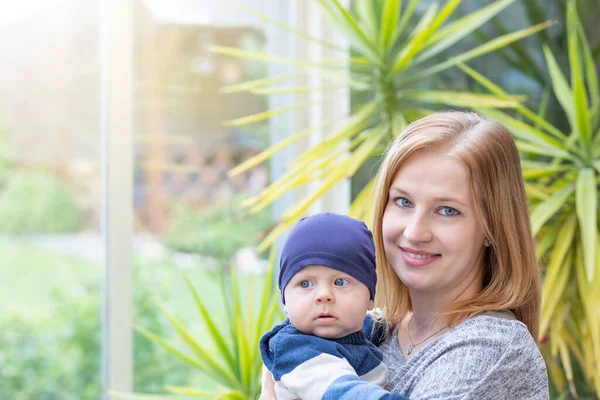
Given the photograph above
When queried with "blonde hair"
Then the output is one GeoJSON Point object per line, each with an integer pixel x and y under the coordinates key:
{"type": "Point", "coordinates": [511, 272]}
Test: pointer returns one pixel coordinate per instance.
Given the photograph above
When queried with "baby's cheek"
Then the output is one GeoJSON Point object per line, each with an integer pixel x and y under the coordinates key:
{"type": "Point", "coordinates": [354, 317]}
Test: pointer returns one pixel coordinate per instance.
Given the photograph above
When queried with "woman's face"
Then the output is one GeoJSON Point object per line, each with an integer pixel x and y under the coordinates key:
{"type": "Point", "coordinates": [431, 235]}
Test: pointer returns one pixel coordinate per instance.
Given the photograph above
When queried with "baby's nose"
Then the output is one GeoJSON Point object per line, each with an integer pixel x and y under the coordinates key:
{"type": "Point", "coordinates": [324, 295]}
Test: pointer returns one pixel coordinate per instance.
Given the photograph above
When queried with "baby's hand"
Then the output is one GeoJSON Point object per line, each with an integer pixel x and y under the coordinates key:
{"type": "Point", "coordinates": [268, 385]}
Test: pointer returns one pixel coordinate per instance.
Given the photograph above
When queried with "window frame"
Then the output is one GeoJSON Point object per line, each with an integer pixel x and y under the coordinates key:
{"type": "Point", "coordinates": [117, 141]}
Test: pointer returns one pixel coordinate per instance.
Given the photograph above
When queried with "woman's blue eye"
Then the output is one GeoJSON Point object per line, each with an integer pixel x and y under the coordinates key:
{"type": "Point", "coordinates": [340, 282]}
{"type": "Point", "coordinates": [403, 202]}
{"type": "Point", "coordinates": [305, 284]}
{"type": "Point", "coordinates": [449, 211]}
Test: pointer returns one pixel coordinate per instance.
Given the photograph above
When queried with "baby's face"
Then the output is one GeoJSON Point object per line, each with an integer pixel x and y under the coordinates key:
{"type": "Point", "coordinates": [325, 302]}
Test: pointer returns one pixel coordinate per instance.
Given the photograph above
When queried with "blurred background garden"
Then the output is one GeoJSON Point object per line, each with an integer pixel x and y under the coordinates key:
{"type": "Point", "coordinates": [240, 117]}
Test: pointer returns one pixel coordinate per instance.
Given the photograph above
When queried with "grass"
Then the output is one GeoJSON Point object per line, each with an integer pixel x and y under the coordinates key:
{"type": "Point", "coordinates": [30, 274]}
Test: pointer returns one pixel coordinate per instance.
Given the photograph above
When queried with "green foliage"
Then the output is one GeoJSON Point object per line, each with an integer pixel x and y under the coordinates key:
{"type": "Point", "coordinates": [561, 168]}
{"type": "Point", "coordinates": [397, 55]}
{"type": "Point", "coordinates": [31, 366]}
{"type": "Point", "coordinates": [6, 154]}
{"type": "Point", "coordinates": [57, 356]}
{"type": "Point", "coordinates": [520, 62]}
{"type": "Point", "coordinates": [231, 357]}
{"type": "Point", "coordinates": [36, 202]}
{"type": "Point", "coordinates": [214, 232]}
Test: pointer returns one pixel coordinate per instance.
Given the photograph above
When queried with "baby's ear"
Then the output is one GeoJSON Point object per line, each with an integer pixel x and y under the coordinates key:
{"type": "Point", "coordinates": [371, 305]}
{"type": "Point", "coordinates": [285, 309]}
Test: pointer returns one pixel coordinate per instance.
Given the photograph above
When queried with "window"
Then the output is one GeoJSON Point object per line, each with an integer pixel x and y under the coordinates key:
{"type": "Point", "coordinates": [113, 180]}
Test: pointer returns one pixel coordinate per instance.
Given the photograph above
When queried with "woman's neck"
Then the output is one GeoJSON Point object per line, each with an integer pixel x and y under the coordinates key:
{"type": "Point", "coordinates": [426, 311]}
{"type": "Point", "coordinates": [428, 306]}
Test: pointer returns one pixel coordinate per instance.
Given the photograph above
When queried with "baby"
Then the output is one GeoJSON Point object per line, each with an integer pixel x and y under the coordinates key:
{"type": "Point", "coordinates": [327, 281]}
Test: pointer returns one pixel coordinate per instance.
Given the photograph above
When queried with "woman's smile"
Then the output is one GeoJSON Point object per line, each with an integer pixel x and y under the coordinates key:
{"type": "Point", "coordinates": [418, 258]}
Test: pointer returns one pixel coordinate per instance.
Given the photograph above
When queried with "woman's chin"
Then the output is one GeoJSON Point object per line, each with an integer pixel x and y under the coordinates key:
{"type": "Point", "coordinates": [415, 281]}
{"type": "Point", "coordinates": [419, 287]}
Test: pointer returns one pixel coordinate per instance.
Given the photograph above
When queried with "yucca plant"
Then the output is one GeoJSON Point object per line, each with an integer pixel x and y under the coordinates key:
{"type": "Point", "coordinates": [396, 54]}
{"type": "Point", "coordinates": [523, 57]}
{"type": "Point", "coordinates": [231, 357]}
{"type": "Point", "coordinates": [562, 174]}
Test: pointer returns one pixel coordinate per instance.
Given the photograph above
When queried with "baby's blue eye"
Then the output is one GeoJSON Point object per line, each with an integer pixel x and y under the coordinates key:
{"type": "Point", "coordinates": [340, 282]}
{"type": "Point", "coordinates": [305, 284]}
{"type": "Point", "coordinates": [449, 211]}
{"type": "Point", "coordinates": [403, 202]}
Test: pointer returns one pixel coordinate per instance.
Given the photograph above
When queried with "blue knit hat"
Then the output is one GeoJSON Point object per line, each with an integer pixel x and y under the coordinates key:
{"type": "Point", "coordinates": [331, 240]}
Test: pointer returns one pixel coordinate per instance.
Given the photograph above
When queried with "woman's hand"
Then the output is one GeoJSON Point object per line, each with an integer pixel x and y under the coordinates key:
{"type": "Point", "coordinates": [268, 386]}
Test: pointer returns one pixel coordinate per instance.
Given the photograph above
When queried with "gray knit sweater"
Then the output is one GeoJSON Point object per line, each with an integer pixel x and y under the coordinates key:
{"type": "Point", "coordinates": [485, 357]}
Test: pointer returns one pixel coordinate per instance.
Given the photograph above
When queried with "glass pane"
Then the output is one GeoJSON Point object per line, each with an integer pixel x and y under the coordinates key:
{"type": "Point", "coordinates": [187, 215]}
{"type": "Point", "coordinates": [50, 200]}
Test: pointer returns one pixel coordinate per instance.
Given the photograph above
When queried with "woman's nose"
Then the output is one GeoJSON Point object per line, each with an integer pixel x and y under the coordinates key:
{"type": "Point", "coordinates": [324, 295]}
{"type": "Point", "coordinates": [418, 229]}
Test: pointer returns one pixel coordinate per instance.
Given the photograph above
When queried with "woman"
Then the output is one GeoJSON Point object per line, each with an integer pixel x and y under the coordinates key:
{"type": "Point", "coordinates": [459, 286]}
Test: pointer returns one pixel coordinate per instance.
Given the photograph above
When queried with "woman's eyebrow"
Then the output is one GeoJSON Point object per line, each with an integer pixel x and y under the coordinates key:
{"type": "Point", "coordinates": [396, 189]}
{"type": "Point", "coordinates": [449, 200]}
